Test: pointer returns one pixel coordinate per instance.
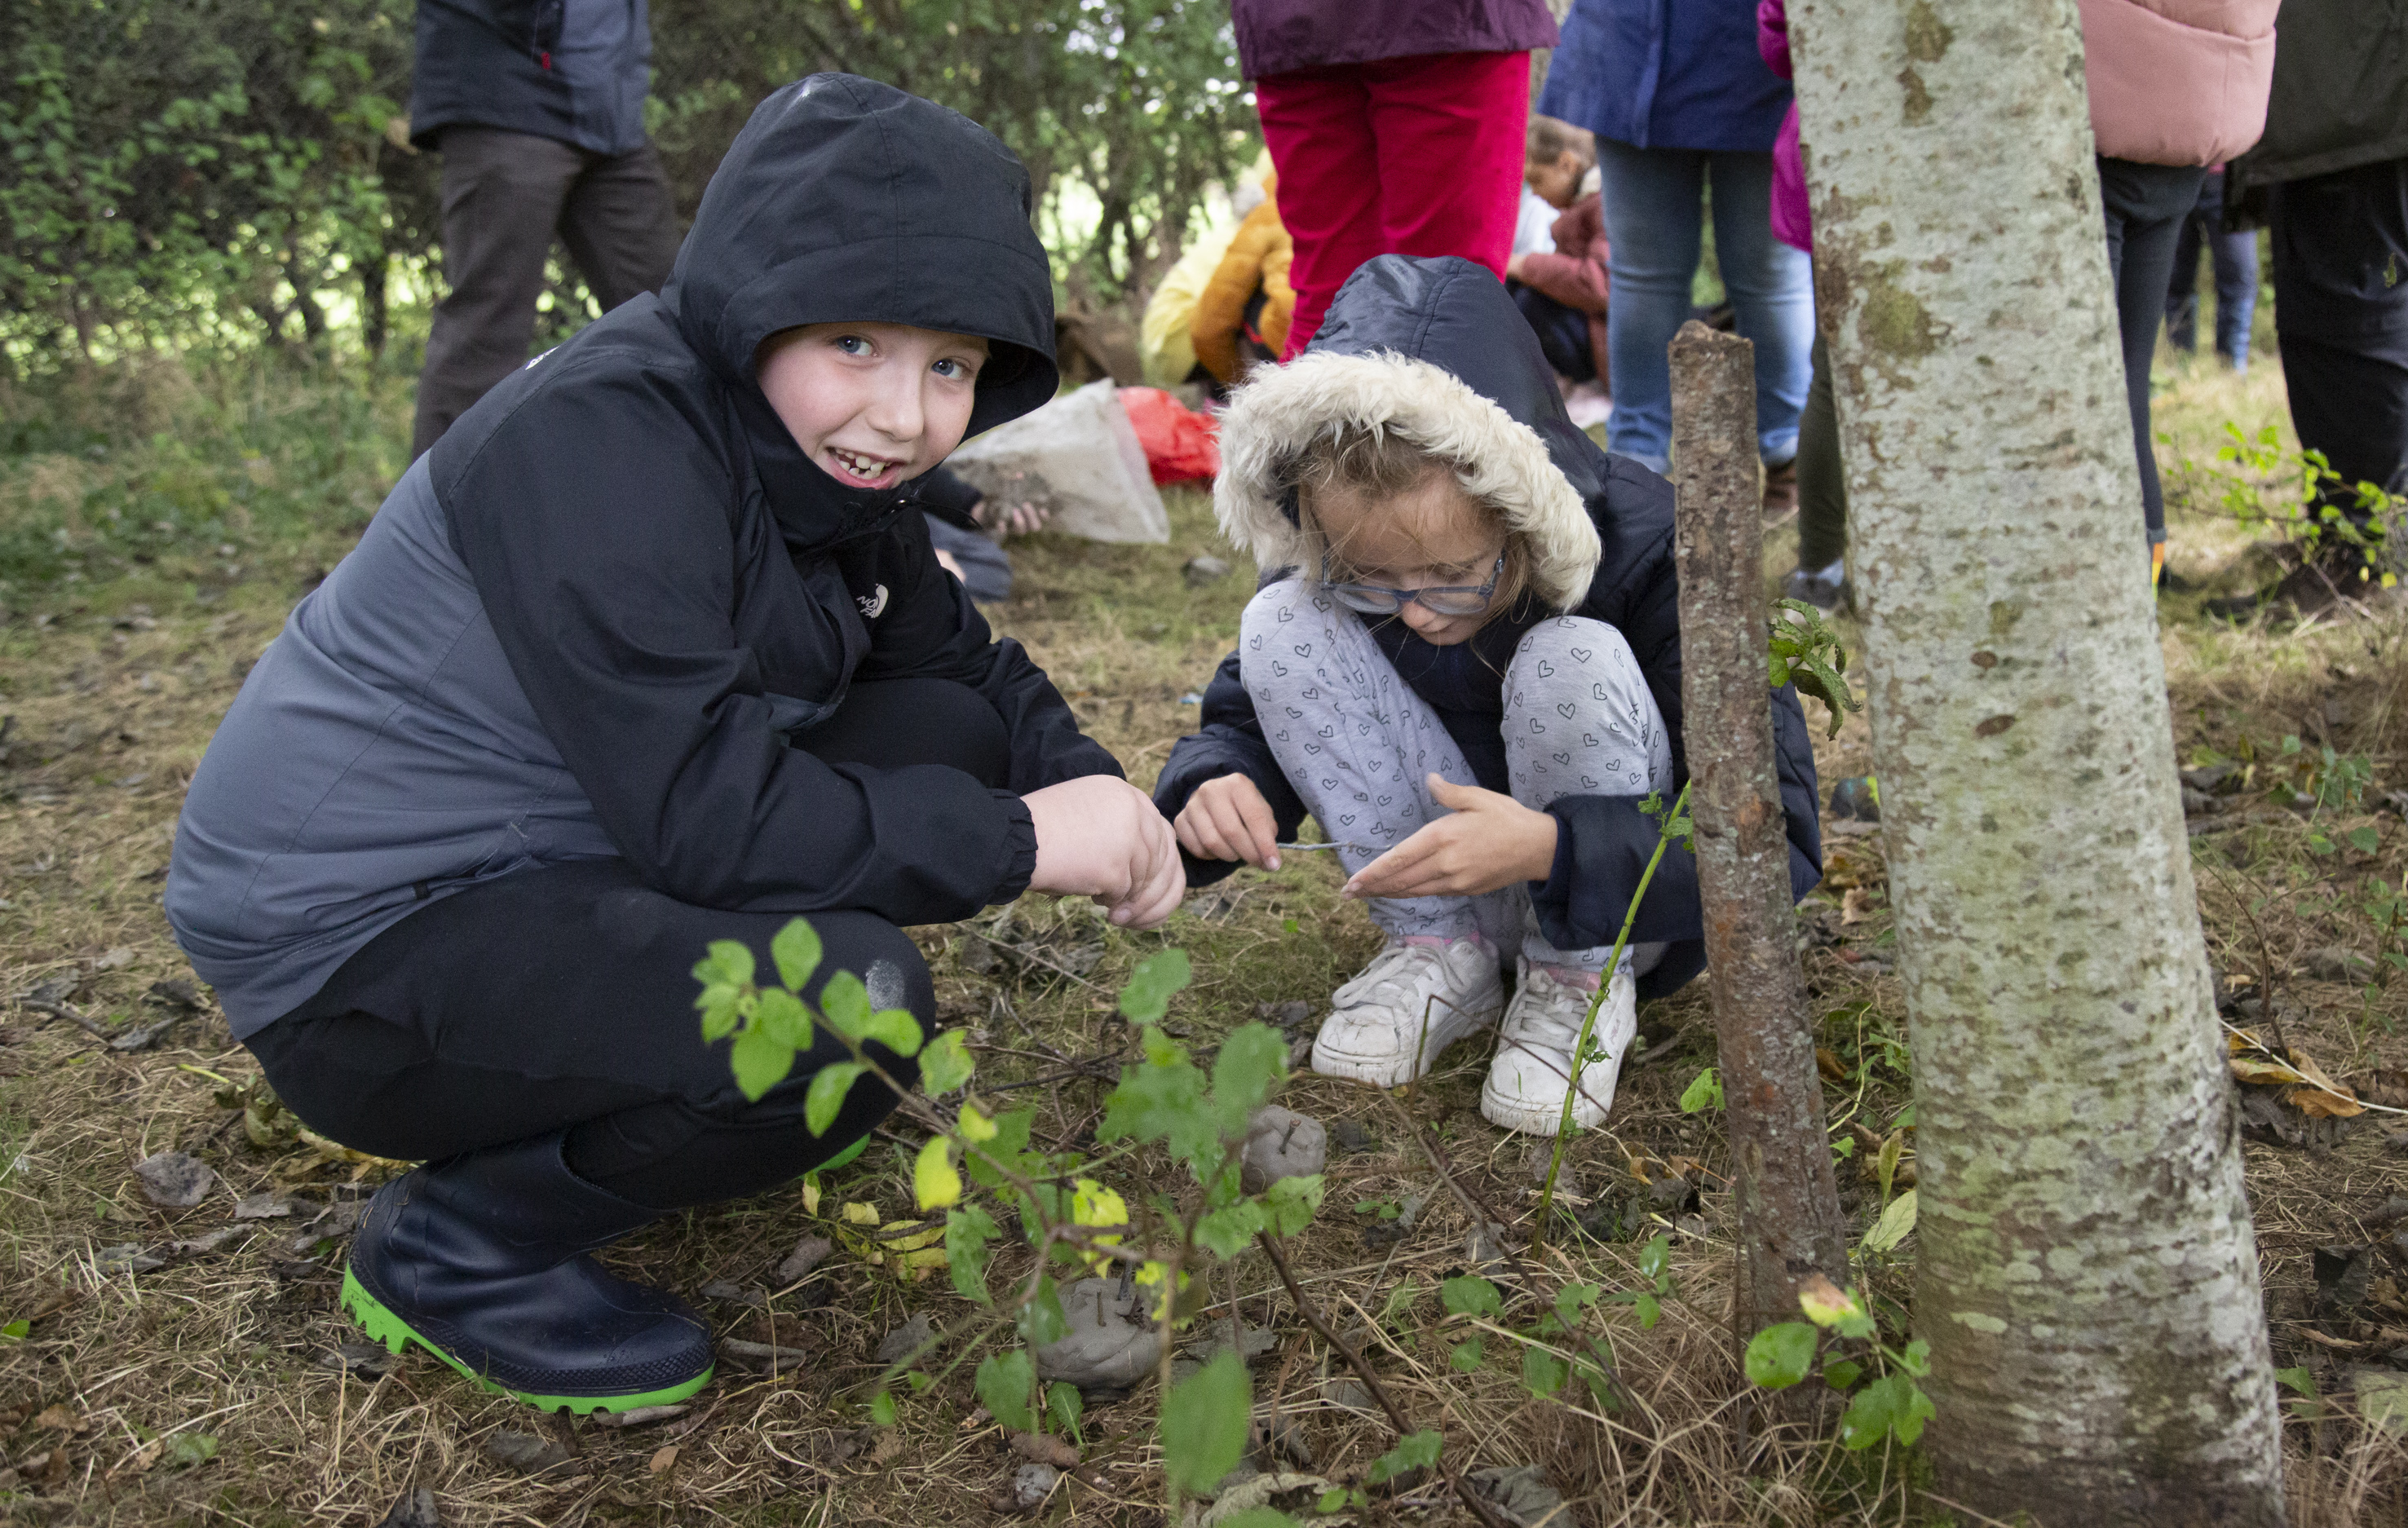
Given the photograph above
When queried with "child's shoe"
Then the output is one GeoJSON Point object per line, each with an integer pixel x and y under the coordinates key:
{"type": "Point", "coordinates": [1527, 1081]}
{"type": "Point", "coordinates": [1375, 1032]}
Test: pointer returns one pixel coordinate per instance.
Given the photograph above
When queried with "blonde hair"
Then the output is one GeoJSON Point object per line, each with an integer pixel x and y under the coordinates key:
{"type": "Point", "coordinates": [1371, 463]}
{"type": "Point", "coordinates": [1550, 140]}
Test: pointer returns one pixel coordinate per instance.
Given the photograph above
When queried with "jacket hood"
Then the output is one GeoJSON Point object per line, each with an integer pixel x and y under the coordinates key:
{"type": "Point", "coordinates": [1435, 350]}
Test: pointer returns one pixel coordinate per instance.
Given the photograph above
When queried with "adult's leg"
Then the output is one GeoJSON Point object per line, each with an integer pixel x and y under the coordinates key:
{"type": "Point", "coordinates": [1652, 222]}
{"type": "Point", "coordinates": [2145, 204]}
{"type": "Point", "coordinates": [2349, 400]}
{"type": "Point", "coordinates": [2182, 288]}
{"type": "Point", "coordinates": [2234, 257]}
{"type": "Point", "coordinates": [502, 197]}
{"type": "Point", "coordinates": [1772, 288]}
{"type": "Point", "coordinates": [1317, 124]}
{"type": "Point", "coordinates": [621, 226]}
{"type": "Point", "coordinates": [1822, 477]}
{"type": "Point", "coordinates": [1450, 130]}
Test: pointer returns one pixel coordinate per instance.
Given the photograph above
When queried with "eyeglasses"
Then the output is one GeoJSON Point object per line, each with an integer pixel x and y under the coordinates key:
{"type": "Point", "coordinates": [1447, 600]}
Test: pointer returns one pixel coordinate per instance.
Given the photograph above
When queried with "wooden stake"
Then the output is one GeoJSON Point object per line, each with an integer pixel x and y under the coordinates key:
{"type": "Point", "coordinates": [1788, 1203]}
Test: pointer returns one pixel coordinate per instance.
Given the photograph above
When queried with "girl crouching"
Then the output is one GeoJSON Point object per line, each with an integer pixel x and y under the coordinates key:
{"type": "Point", "coordinates": [1465, 662]}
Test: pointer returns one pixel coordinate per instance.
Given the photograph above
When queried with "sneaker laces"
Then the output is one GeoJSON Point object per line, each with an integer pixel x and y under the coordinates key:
{"type": "Point", "coordinates": [1401, 975]}
{"type": "Point", "coordinates": [1547, 1014]}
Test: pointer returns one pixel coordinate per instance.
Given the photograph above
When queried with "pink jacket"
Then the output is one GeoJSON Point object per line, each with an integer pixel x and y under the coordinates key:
{"type": "Point", "coordinates": [2178, 81]}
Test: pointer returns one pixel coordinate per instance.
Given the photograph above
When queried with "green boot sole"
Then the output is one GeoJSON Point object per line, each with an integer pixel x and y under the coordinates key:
{"type": "Point", "coordinates": [382, 1325]}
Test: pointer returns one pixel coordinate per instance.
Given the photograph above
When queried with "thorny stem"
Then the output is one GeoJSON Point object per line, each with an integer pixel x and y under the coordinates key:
{"type": "Point", "coordinates": [1588, 1022]}
{"type": "Point", "coordinates": [1370, 1377]}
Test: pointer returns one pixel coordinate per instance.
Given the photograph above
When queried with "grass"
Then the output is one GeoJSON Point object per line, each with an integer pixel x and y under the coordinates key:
{"type": "Point", "coordinates": [123, 642]}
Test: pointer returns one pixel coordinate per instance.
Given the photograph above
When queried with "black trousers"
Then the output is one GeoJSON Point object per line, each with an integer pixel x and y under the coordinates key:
{"type": "Point", "coordinates": [1563, 332]}
{"type": "Point", "coordinates": [506, 195]}
{"type": "Point", "coordinates": [563, 998]}
{"type": "Point", "coordinates": [2340, 317]}
{"type": "Point", "coordinates": [2146, 205]}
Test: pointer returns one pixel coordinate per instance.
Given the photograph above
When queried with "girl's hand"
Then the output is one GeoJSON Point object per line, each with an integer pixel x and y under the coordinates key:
{"type": "Point", "coordinates": [1101, 836]}
{"type": "Point", "coordinates": [1228, 819]}
{"type": "Point", "coordinates": [1486, 841]}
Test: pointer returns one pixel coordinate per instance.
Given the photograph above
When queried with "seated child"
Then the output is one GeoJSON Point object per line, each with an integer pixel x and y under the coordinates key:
{"type": "Point", "coordinates": [651, 650]}
{"type": "Point", "coordinates": [1465, 662]}
{"type": "Point", "coordinates": [1241, 317]}
{"type": "Point", "coordinates": [1562, 290]}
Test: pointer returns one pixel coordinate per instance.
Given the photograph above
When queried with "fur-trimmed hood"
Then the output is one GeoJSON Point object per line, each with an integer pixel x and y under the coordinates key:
{"type": "Point", "coordinates": [1437, 352]}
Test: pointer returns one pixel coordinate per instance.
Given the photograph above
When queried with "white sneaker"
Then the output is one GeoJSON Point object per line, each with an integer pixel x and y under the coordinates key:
{"type": "Point", "coordinates": [1375, 1021]}
{"type": "Point", "coordinates": [1532, 1072]}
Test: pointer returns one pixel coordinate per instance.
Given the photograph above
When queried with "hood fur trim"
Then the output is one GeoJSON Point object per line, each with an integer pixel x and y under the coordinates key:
{"type": "Point", "coordinates": [1500, 460]}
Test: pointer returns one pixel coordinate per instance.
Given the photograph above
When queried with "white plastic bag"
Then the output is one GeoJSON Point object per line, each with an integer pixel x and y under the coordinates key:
{"type": "Point", "coordinates": [1078, 457]}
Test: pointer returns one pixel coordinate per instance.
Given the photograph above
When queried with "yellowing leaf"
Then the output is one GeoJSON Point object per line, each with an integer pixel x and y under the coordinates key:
{"type": "Point", "coordinates": [976, 1126]}
{"type": "Point", "coordinates": [856, 1213]}
{"type": "Point", "coordinates": [1896, 1223]}
{"type": "Point", "coordinates": [1094, 1205]}
{"type": "Point", "coordinates": [933, 1181]}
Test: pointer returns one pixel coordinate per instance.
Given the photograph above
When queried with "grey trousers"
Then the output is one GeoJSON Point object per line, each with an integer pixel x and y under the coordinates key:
{"type": "Point", "coordinates": [506, 195]}
{"type": "Point", "coordinates": [1357, 744]}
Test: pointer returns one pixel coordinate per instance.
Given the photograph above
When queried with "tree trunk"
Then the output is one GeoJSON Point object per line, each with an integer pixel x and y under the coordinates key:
{"type": "Point", "coordinates": [2086, 1274]}
{"type": "Point", "coordinates": [1788, 1204]}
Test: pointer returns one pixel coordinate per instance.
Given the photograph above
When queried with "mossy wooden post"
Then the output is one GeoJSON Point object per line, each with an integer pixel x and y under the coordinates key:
{"type": "Point", "coordinates": [1789, 1224]}
{"type": "Point", "coordinates": [2086, 1273]}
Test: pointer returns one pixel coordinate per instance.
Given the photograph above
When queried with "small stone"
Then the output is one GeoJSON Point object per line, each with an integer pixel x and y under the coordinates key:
{"type": "Point", "coordinates": [362, 1358]}
{"type": "Point", "coordinates": [1854, 797]}
{"type": "Point", "coordinates": [642, 1415]}
{"type": "Point", "coordinates": [1348, 1394]}
{"type": "Point", "coordinates": [901, 1342]}
{"type": "Point", "coordinates": [1200, 571]}
{"type": "Point", "coordinates": [1520, 1494]}
{"type": "Point", "coordinates": [809, 1253]}
{"type": "Point", "coordinates": [2199, 803]}
{"type": "Point", "coordinates": [174, 1180]}
{"type": "Point", "coordinates": [1112, 1344]}
{"type": "Point", "coordinates": [2334, 964]}
{"type": "Point", "coordinates": [262, 1206]}
{"type": "Point", "coordinates": [2211, 778]}
{"type": "Point", "coordinates": [1281, 1143]}
{"type": "Point", "coordinates": [720, 1288]}
{"type": "Point", "coordinates": [176, 995]}
{"type": "Point", "coordinates": [210, 1242]}
{"type": "Point", "coordinates": [116, 959]}
{"type": "Point", "coordinates": [526, 1452]}
{"type": "Point", "coordinates": [1031, 1484]}
{"type": "Point", "coordinates": [131, 1256]}
{"type": "Point", "coordinates": [416, 1509]}
{"type": "Point", "coordinates": [1288, 1016]}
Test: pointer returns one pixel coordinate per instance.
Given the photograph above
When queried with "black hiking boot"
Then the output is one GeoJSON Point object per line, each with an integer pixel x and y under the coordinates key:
{"type": "Point", "coordinates": [481, 1260]}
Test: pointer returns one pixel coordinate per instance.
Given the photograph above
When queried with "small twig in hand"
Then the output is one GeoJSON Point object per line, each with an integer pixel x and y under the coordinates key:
{"type": "Point", "coordinates": [1370, 1377]}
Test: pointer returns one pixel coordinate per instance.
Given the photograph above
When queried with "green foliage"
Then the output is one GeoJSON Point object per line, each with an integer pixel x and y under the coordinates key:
{"type": "Point", "coordinates": [1704, 1092]}
{"type": "Point", "coordinates": [2296, 496]}
{"type": "Point", "coordinates": [1156, 981]}
{"type": "Point", "coordinates": [1204, 1423]}
{"type": "Point", "coordinates": [1780, 1356]}
{"type": "Point", "coordinates": [1891, 1407]}
{"type": "Point", "coordinates": [1471, 1295]}
{"type": "Point", "coordinates": [1414, 1452]}
{"type": "Point", "coordinates": [1806, 652]}
{"type": "Point", "coordinates": [187, 1449]}
{"type": "Point", "coordinates": [1004, 1381]}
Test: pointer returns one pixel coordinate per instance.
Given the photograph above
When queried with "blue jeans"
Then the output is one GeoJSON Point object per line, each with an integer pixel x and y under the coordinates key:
{"type": "Point", "coordinates": [1653, 219]}
{"type": "Point", "coordinates": [2235, 260]}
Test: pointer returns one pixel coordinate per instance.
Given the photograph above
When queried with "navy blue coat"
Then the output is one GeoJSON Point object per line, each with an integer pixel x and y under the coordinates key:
{"type": "Point", "coordinates": [575, 70]}
{"type": "Point", "coordinates": [1660, 75]}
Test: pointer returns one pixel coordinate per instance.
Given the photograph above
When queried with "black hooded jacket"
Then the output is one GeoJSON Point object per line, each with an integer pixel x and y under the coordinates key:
{"type": "Point", "coordinates": [592, 619]}
{"type": "Point", "coordinates": [1454, 316]}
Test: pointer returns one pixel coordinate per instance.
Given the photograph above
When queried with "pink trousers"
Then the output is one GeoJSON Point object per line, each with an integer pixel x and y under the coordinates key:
{"type": "Point", "coordinates": [1418, 156]}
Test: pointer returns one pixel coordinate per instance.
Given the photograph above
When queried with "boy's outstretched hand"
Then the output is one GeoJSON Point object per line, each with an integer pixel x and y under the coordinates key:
{"type": "Point", "coordinates": [1101, 836]}
{"type": "Point", "coordinates": [1228, 819]}
{"type": "Point", "coordinates": [1488, 840]}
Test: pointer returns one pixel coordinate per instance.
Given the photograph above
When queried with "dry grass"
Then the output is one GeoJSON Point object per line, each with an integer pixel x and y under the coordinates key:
{"type": "Point", "coordinates": [109, 719]}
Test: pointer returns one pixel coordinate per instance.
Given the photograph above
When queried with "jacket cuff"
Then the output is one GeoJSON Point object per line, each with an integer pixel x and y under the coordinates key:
{"type": "Point", "coordinates": [944, 495]}
{"type": "Point", "coordinates": [1020, 850]}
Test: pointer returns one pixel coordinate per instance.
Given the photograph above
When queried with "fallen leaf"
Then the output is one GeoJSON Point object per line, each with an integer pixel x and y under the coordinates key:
{"type": "Point", "coordinates": [1856, 905]}
{"type": "Point", "coordinates": [132, 1256]}
{"type": "Point", "coordinates": [115, 960]}
{"type": "Point", "coordinates": [201, 1246]}
{"type": "Point", "coordinates": [526, 1452]}
{"type": "Point", "coordinates": [415, 1509]}
{"type": "Point", "coordinates": [2389, 1088]}
{"type": "Point", "coordinates": [642, 1415]}
{"type": "Point", "coordinates": [175, 1180]}
{"type": "Point", "coordinates": [262, 1206]}
{"type": "Point", "coordinates": [809, 1253]}
{"type": "Point", "coordinates": [664, 1460]}
{"type": "Point", "coordinates": [1045, 1450]}
{"type": "Point", "coordinates": [1828, 1063]}
{"type": "Point", "coordinates": [58, 1418]}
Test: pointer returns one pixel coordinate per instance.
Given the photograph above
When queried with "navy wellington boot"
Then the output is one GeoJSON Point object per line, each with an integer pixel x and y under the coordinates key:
{"type": "Point", "coordinates": [481, 1260]}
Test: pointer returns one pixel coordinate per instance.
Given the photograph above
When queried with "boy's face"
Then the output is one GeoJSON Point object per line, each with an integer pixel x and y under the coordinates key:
{"type": "Point", "coordinates": [871, 404]}
{"type": "Point", "coordinates": [1557, 181]}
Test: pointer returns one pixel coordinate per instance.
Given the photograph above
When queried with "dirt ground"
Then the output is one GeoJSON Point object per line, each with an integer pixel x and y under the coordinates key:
{"type": "Point", "coordinates": [213, 1385]}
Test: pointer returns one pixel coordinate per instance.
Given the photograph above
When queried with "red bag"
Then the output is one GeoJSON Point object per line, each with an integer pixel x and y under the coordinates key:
{"type": "Point", "coordinates": [1180, 443]}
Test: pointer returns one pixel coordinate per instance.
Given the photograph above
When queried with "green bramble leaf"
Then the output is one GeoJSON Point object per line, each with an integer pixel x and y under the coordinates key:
{"type": "Point", "coordinates": [783, 1016]}
{"type": "Point", "coordinates": [1892, 1406]}
{"type": "Point", "coordinates": [882, 1409]}
{"type": "Point", "coordinates": [729, 961]}
{"type": "Point", "coordinates": [1414, 1452]}
{"type": "Point", "coordinates": [1003, 1383]}
{"type": "Point", "coordinates": [1781, 1355]}
{"type": "Point", "coordinates": [1205, 1420]}
{"type": "Point", "coordinates": [1156, 981]}
{"type": "Point", "coordinates": [761, 1062]}
{"type": "Point", "coordinates": [1289, 1204]}
{"type": "Point", "coordinates": [1655, 1258]}
{"type": "Point", "coordinates": [1064, 1402]}
{"type": "Point", "coordinates": [1260, 1517]}
{"type": "Point", "coordinates": [1542, 1372]}
{"type": "Point", "coordinates": [895, 1029]}
{"type": "Point", "coordinates": [1043, 1320]}
{"type": "Point", "coordinates": [1464, 1357]}
{"type": "Point", "coordinates": [796, 950]}
{"type": "Point", "coordinates": [1649, 1309]}
{"type": "Point", "coordinates": [1705, 1091]}
{"type": "Point", "coordinates": [1226, 1232]}
{"type": "Point", "coordinates": [1165, 1101]}
{"type": "Point", "coordinates": [1916, 1360]}
{"type": "Point", "coordinates": [828, 1093]}
{"type": "Point", "coordinates": [967, 1230]}
{"type": "Point", "coordinates": [945, 1065]}
{"type": "Point", "coordinates": [187, 1449]}
{"type": "Point", "coordinates": [2299, 1380]}
{"type": "Point", "coordinates": [720, 1011]}
{"type": "Point", "coordinates": [1896, 1224]}
{"type": "Point", "coordinates": [1009, 1140]}
{"type": "Point", "coordinates": [844, 1003]}
{"type": "Point", "coordinates": [1252, 1062]}
{"type": "Point", "coordinates": [1842, 1374]}
{"type": "Point", "coordinates": [2364, 840]}
{"type": "Point", "coordinates": [1469, 1294]}
{"type": "Point", "coordinates": [18, 1329]}
{"type": "Point", "coordinates": [1573, 1299]}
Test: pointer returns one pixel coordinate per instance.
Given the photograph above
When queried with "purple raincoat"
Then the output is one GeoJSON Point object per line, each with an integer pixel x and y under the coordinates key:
{"type": "Point", "coordinates": [1792, 223]}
